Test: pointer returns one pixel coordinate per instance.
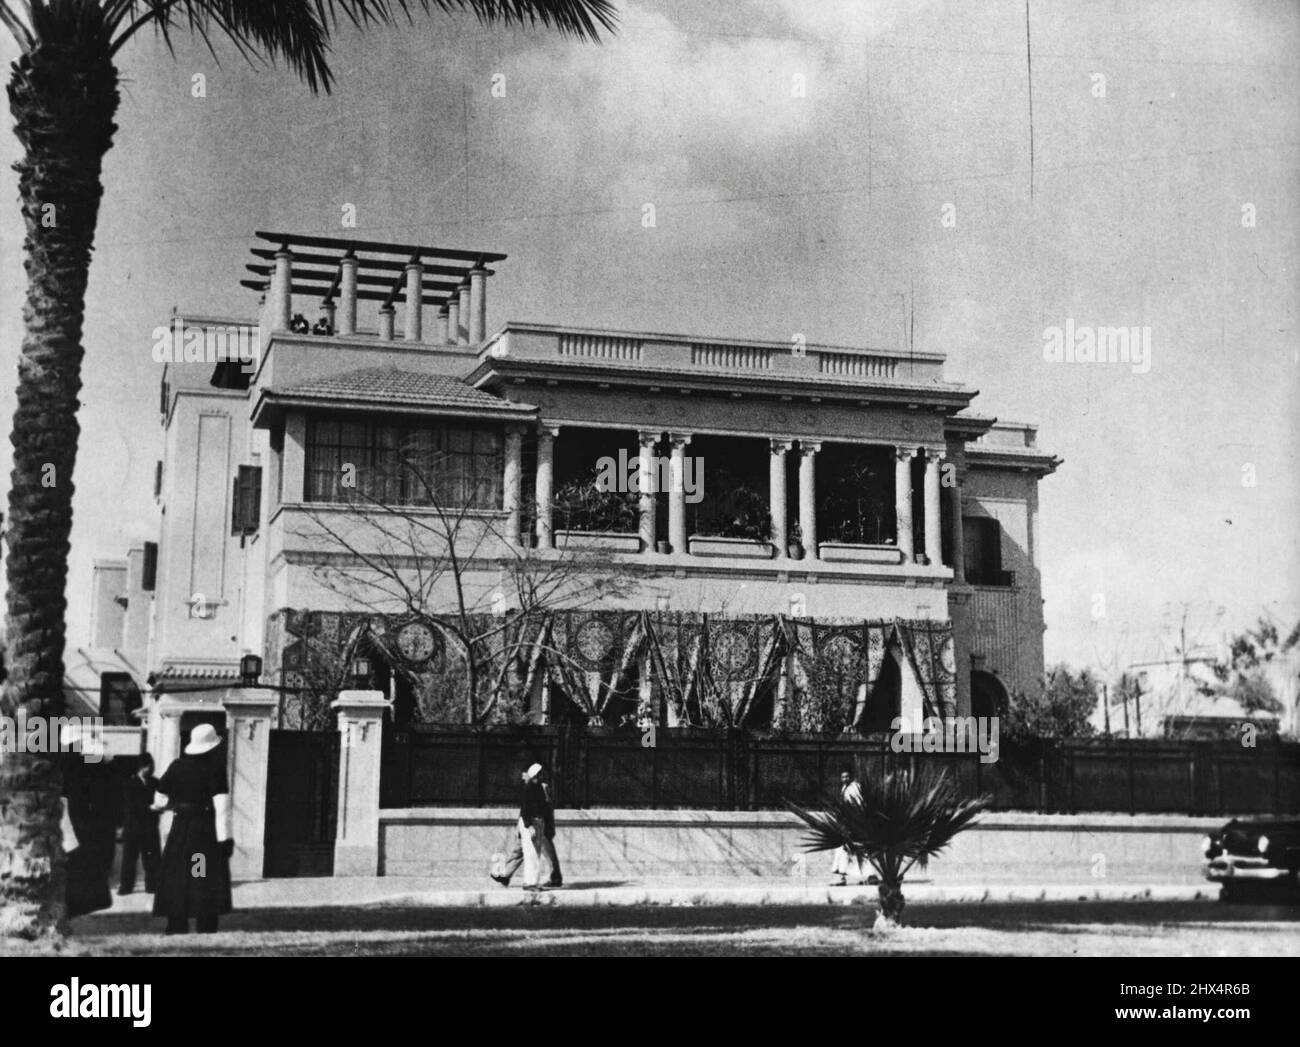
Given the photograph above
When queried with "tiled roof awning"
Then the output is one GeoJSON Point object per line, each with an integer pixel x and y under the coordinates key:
{"type": "Point", "coordinates": [394, 389]}
{"type": "Point", "coordinates": [317, 267]}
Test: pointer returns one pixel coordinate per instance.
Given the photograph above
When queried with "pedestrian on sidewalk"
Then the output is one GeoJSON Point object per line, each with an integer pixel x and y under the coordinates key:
{"type": "Point", "coordinates": [507, 862]}
{"type": "Point", "coordinates": [850, 792]}
{"type": "Point", "coordinates": [194, 880]}
{"type": "Point", "coordinates": [532, 826]}
{"type": "Point", "coordinates": [90, 817]}
{"type": "Point", "coordinates": [556, 878]}
{"type": "Point", "coordinates": [140, 828]}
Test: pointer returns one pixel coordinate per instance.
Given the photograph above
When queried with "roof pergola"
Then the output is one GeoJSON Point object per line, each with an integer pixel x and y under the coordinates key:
{"type": "Point", "coordinates": [318, 268]}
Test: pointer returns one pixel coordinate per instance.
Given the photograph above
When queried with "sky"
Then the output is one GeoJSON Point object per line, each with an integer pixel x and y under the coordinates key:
{"type": "Point", "coordinates": [862, 173]}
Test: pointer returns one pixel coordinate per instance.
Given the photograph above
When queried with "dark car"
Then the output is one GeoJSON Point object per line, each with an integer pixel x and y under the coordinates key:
{"type": "Point", "coordinates": [1253, 851]}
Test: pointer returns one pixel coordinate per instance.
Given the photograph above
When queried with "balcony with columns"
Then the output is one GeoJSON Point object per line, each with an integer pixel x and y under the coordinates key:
{"type": "Point", "coordinates": [685, 501]}
{"type": "Point", "coordinates": [819, 460]}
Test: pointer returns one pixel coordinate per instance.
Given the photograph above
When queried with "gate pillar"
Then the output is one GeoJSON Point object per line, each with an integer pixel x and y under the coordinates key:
{"type": "Point", "coordinates": [250, 714]}
{"type": "Point", "coordinates": [164, 732]}
{"type": "Point", "coordinates": [361, 721]}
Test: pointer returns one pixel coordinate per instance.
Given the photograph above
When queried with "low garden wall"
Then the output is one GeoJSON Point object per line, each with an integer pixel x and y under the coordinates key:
{"type": "Point", "coordinates": [613, 845]}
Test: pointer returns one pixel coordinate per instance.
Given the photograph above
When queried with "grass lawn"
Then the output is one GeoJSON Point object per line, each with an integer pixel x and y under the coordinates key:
{"type": "Point", "coordinates": [1201, 929]}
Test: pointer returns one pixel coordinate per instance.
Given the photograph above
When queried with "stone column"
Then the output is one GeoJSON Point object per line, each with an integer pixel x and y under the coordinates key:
{"type": "Point", "coordinates": [933, 528]}
{"type": "Point", "coordinates": [164, 742]}
{"type": "Point", "coordinates": [440, 327]}
{"type": "Point", "coordinates": [348, 295]}
{"type": "Point", "coordinates": [462, 324]}
{"type": "Point", "coordinates": [453, 319]}
{"type": "Point", "coordinates": [477, 305]}
{"type": "Point", "coordinates": [386, 323]}
{"type": "Point", "coordinates": [356, 844]}
{"type": "Point", "coordinates": [250, 714]}
{"type": "Point", "coordinates": [776, 495]}
{"type": "Point", "coordinates": [282, 295]}
{"type": "Point", "coordinates": [545, 480]}
{"type": "Point", "coordinates": [646, 487]}
{"type": "Point", "coordinates": [903, 500]}
{"type": "Point", "coordinates": [808, 496]}
{"type": "Point", "coordinates": [677, 493]}
{"type": "Point", "coordinates": [511, 482]}
{"type": "Point", "coordinates": [414, 302]}
{"type": "Point", "coordinates": [293, 459]}
{"type": "Point", "coordinates": [958, 539]}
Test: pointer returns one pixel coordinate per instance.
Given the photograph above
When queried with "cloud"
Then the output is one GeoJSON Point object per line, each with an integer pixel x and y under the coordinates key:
{"type": "Point", "coordinates": [671, 116]}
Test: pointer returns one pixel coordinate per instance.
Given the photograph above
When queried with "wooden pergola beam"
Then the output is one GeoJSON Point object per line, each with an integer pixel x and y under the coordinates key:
{"type": "Point", "coordinates": [363, 264]}
{"type": "Point", "coordinates": [408, 250]}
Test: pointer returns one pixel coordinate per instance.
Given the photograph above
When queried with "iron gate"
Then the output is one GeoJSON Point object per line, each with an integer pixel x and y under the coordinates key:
{"type": "Point", "coordinates": [302, 789]}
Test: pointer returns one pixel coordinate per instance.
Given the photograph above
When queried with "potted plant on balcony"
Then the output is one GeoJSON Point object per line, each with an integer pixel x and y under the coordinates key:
{"type": "Point", "coordinates": [738, 523]}
{"type": "Point", "coordinates": [857, 517]}
{"type": "Point", "coordinates": [589, 516]}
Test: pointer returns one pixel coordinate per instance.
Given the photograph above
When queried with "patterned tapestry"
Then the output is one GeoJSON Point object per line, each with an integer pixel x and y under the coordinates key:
{"type": "Point", "coordinates": [666, 668]}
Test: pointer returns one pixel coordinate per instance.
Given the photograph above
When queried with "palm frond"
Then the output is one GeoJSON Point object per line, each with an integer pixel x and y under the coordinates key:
{"type": "Point", "coordinates": [901, 820]}
{"type": "Point", "coordinates": [297, 32]}
{"type": "Point", "coordinates": [824, 830]}
{"type": "Point", "coordinates": [16, 16]}
{"type": "Point", "coordinates": [292, 31]}
{"type": "Point", "coordinates": [581, 19]}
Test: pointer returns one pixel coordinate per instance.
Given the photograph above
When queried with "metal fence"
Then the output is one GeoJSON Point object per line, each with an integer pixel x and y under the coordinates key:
{"type": "Point", "coordinates": [736, 770]}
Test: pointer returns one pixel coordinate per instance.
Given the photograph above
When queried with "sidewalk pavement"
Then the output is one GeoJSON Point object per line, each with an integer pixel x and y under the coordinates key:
{"type": "Point", "coordinates": [422, 892]}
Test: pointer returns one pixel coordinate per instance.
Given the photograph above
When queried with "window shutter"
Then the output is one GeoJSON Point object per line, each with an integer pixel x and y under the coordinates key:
{"type": "Point", "coordinates": [245, 510]}
{"type": "Point", "coordinates": [150, 572]}
{"type": "Point", "coordinates": [983, 538]}
{"type": "Point", "coordinates": [993, 550]}
{"type": "Point", "coordinates": [254, 497]}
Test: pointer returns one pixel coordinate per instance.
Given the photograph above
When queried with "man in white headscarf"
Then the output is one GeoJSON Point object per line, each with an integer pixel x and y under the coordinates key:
{"type": "Point", "coordinates": [850, 792]}
{"type": "Point", "coordinates": [532, 826]}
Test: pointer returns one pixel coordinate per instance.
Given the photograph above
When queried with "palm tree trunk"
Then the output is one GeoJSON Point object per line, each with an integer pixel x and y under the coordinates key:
{"type": "Point", "coordinates": [891, 902]}
{"type": "Point", "coordinates": [63, 96]}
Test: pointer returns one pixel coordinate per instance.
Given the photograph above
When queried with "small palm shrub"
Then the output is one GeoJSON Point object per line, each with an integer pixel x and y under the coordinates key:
{"type": "Point", "coordinates": [902, 820]}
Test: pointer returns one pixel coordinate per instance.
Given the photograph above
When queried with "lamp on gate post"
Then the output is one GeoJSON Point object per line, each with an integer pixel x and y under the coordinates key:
{"type": "Point", "coordinates": [361, 672]}
{"type": "Point", "coordinates": [250, 669]}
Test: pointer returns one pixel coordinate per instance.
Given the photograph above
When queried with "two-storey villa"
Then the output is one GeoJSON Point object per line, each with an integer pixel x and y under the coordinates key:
{"type": "Point", "coordinates": [773, 502]}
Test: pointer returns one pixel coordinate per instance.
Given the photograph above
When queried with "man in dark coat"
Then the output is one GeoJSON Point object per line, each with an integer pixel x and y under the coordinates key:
{"type": "Point", "coordinates": [548, 839]}
{"type": "Point", "coordinates": [90, 830]}
{"type": "Point", "coordinates": [532, 826]}
{"type": "Point", "coordinates": [545, 843]}
{"type": "Point", "coordinates": [140, 828]}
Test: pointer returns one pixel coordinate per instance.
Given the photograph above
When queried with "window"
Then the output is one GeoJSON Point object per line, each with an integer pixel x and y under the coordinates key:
{"type": "Point", "coordinates": [118, 698]}
{"type": "Point", "coordinates": [988, 697]}
{"type": "Point", "coordinates": [982, 538]}
{"type": "Point", "coordinates": [245, 511]}
{"type": "Point", "coordinates": [157, 479]}
{"type": "Point", "coordinates": [447, 465]}
{"type": "Point", "coordinates": [149, 573]}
